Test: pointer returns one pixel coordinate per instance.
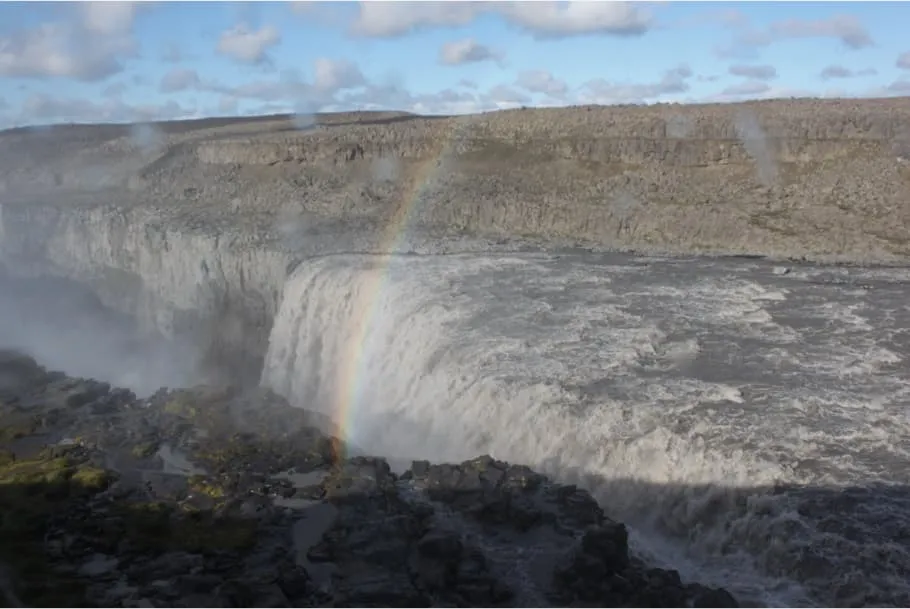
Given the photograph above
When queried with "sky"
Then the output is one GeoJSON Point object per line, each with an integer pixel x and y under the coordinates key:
{"type": "Point", "coordinates": [138, 61]}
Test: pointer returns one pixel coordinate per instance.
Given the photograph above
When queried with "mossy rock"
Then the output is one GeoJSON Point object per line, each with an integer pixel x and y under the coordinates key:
{"type": "Point", "coordinates": [36, 471]}
{"type": "Point", "coordinates": [207, 486]}
{"type": "Point", "coordinates": [159, 527]}
{"type": "Point", "coordinates": [33, 489]}
{"type": "Point", "coordinates": [91, 479]}
{"type": "Point", "coordinates": [203, 405]}
{"type": "Point", "coordinates": [6, 457]}
{"type": "Point", "coordinates": [15, 427]}
{"type": "Point", "coordinates": [31, 492]}
{"type": "Point", "coordinates": [144, 450]}
{"type": "Point", "coordinates": [181, 404]}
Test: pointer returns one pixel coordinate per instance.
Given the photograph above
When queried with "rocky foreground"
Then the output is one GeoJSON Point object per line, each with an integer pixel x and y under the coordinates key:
{"type": "Point", "coordinates": [211, 497]}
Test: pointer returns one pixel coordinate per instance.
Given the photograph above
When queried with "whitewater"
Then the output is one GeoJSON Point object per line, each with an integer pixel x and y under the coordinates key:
{"type": "Point", "coordinates": [749, 422]}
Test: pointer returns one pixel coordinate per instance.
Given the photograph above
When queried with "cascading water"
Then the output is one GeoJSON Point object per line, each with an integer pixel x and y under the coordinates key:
{"type": "Point", "coordinates": [743, 422]}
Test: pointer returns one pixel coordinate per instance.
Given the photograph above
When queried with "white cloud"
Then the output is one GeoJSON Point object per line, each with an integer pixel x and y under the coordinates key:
{"type": "Point", "coordinates": [903, 61]}
{"type": "Point", "coordinates": [901, 86]}
{"type": "Point", "coordinates": [558, 19]}
{"type": "Point", "coordinates": [334, 75]}
{"type": "Point", "coordinates": [504, 96]}
{"type": "Point", "coordinates": [389, 19]}
{"type": "Point", "coordinates": [467, 84]}
{"type": "Point", "coordinates": [288, 96]}
{"type": "Point", "coordinates": [758, 72]}
{"type": "Point", "coordinates": [600, 91]}
{"type": "Point", "coordinates": [846, 29]}
{"type": "Point", "coordinates": [43, 108]}
{"type": "Point", "coordinates": [227, 105]}
{"type": "Point", "coordinates": [68, 50]}
{"type": "Point", "coordinates": [446, 101]}
{"type": "Point", "coordinates": [541, 81]}
{"type": "Point", "coordinates": [466, 50]}
{"type": "Point", "coordinates": [723, 17]}
{"type": "Point", "coordinates": [248, 46]}
{"type": "Point", "coordinates": [114, 90]}
{"type": "Point", "coordinates": [752, 87]}
{"type": "Point", "coordinates": [541, 19]}
{"type": "Point", "coordinates": [837, 71]}
{"type": "Point", "coordinates": [179, 79]}
{"type": "Point", "coordinates": [108, 18]}
{"type": "Point", "coordinates": [330, 78]}
{"type": "Point", "coordinates": [268, 90]}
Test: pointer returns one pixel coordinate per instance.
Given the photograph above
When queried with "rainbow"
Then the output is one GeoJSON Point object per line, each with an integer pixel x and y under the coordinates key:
{"type": "Point", "coordinates": [351, 372]}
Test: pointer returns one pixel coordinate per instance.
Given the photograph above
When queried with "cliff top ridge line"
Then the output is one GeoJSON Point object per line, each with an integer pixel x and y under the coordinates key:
{"type": "Point", "coordinates": [787, 178]}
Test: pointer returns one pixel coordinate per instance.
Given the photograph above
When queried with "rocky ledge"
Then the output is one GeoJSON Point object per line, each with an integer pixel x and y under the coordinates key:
{"type": "Point", "coordinates": [215, 497]}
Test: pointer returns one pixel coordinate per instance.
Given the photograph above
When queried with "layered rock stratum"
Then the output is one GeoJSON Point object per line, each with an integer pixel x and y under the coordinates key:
{"type": "Point", "coordinates": [782, 178]}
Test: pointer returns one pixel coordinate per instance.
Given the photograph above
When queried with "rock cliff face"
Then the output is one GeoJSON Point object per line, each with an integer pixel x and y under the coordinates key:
{"type": "Point", "coordinates": [803, 178]}
{"type": "Point", "coordinates": [170, 219]}
{"type": "Point", "coordinates": [178, 282]}
{"type": "Point", "coordinates": [192, 226]}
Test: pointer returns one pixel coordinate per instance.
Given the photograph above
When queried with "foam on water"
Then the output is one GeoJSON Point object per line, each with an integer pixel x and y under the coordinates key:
{"type": "Point", "coordinates": [723, 411]}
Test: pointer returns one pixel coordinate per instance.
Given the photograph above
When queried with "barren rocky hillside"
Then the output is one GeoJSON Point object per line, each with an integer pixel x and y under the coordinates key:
{"type": "Point", "coordinates": [787, 178]}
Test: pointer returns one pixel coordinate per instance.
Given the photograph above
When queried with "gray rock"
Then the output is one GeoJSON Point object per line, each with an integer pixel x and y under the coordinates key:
{"type": "Point", "coordinates": [99, 565]}
{"type": "Point", "coordinates": [478, 533]}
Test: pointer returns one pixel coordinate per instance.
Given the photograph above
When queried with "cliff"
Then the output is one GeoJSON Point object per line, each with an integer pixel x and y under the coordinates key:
{"type": "Point", "coordinates": [193, 226]}
{"type": "Point", "coordinates": [801, 178]}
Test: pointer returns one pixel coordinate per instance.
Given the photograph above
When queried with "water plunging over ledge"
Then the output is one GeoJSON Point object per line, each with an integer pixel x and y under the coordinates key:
{"type": "Point", "coordinates": [747, 423]}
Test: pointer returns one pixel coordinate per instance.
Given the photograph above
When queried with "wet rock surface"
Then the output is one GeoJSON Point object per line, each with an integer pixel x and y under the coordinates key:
{"type": "Point", "coordinates": [212, 497]}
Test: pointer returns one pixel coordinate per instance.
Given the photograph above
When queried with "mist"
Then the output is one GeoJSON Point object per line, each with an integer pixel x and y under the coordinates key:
{"type": "Point", "coordinates": [901, 144]}
{"type": "Point", "coordinates": [66, 328]}
{"type": "Point", "coordinates": [147, 138]}
{"type": "Point", "coordinates": [303, 119]}
{"type": "Point", "coordinates": [750, 133]}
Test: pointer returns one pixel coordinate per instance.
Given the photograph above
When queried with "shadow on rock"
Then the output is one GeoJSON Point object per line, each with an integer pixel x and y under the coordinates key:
{"type": "Point", "coordinates": [227, 498]}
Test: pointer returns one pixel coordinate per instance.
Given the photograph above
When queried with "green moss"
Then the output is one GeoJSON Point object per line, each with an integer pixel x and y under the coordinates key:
{"type": "Point", "coordinates": [36, 471]}
{"type": "Point", "coordinates": [220, 455]}
{"type": "Point", "coordinates": [92, 478]}
{"type": "Point", "coordinates": [160, 528]}
{"type": "Point", "coordinates": [202, 405]}
{"type": "Point", "coordinates": [206, 486]}
{"type": "Point", "coordinates": [6, 458]}
{"type": "Point", "coordinates": [144, 450]}
{"type": "Point", "coordinates": [14, 428]}
{"type": "Point", "coordinates": [31, 491]}
{"type": "Point", "coordinates": [181, 404]}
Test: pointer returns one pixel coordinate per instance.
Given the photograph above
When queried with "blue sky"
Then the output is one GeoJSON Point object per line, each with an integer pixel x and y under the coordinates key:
{"type": "Point", "coordinates": [107, 61]}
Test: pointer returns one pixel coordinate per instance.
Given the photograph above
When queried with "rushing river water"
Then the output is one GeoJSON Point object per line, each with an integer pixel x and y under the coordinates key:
{"type": "Point", "coordinates": [752, 426]}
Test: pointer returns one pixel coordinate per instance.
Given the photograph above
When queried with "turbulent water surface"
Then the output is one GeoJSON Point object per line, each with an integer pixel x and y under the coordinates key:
{"type": "Point", "coordinates": [751, 426]}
